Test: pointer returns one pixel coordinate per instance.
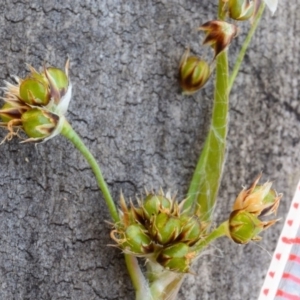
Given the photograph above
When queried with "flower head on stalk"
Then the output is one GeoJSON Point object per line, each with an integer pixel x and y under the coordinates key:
{"type": "Point", "coordinates": [253, 202]}
{"type": "Point", "coordinates": [159, 230]}
{"type": "Point", "coordinates": [37, 103]}
{"type": "Point", "coordinates": [219, 34]}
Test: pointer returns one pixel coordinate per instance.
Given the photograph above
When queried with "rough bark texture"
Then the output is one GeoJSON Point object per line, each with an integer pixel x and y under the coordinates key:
{"type": "Point", "coordinates": [128, 108]}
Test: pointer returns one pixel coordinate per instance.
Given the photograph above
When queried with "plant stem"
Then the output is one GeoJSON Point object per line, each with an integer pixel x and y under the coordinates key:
{"type": "Point", "coordinates": [139, 282]}
{"type": "Point", "coordinates": [245, 45]}
{"type": "Point", "coordinates": [164, 284]}
{"type": "Point", "coordinates": [70, 134]}
{"type": "Point", "coordinates": [136, 275]}
{"type": "Point", "coordinates": [206, 180]}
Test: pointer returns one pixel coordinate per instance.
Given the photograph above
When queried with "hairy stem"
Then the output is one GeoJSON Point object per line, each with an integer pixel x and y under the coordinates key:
{"type": "Point", "coordinates": [164, 284]}
{"type": "Point", "coordinates": [141, 286]}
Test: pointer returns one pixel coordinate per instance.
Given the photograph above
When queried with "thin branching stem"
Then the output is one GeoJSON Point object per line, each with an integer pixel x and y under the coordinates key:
{"type": "Point", "coordinates": [71, 135]}
{"type": "Point", "coordinates": [215, 234]}
{"type": "Point", "coordinates": [245, 46]}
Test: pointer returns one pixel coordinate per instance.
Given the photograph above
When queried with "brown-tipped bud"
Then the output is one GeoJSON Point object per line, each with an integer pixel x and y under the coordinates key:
{"type": "Point", "coordinates": [58, 82]}
{"type": "Point", "coordinates": [39, 124]}
{"type": "Point", "coordinates": [176, 258]}
{"type": "Point", "coordinates": [165, 228]}
{"type": "Point", "coordinates": [193, 73]}
{"type": "Point", "coordinates": [258, 199]}
{"type": "Point", "coordinates": [241, 10]}
{"type": "Point", "coordinates": [191, 229]}
{"type": "Point", "coordinates": [219, 35]}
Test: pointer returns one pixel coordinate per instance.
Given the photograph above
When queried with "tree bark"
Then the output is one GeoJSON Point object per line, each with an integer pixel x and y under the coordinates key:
{"type": "Point", "coordinates": [128, 108]}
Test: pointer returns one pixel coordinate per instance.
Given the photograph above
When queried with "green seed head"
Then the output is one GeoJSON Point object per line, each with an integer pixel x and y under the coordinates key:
{"type": "Point", "coordinates": [38, 123]}
{"type": "Point", "coordinates": [193, 74]}
{"type": "Point", "coordinates": [241, 10]}
{"type": "Point", "coordinates": [34, 92]}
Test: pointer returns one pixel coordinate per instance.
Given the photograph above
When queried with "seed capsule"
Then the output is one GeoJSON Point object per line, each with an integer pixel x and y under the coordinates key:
{"type": "Point", "coordinates": [136, 240]}
{"type": "Point", "coordinates": [34, 92]}
{"type": "Point", "coordinates": [251, 203]}
{"type": "Point", "coordinates": [10, 112]}
{"type": "Point", "coordinates": [38, 123]}
{"type": "Point", "coordinates": [244, 227]}
{"type": "Point", "coordinates": [58, 81]}
{"type": "Point", "coordinates": [165, 228]}
{"type": "Point", "coordinates": [190, 229]}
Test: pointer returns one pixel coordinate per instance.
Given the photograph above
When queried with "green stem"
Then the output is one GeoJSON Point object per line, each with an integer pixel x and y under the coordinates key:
{"type": "Point", "coordinates": [245, 46]}
{"type": "Point", "coordinates": [206, 180]}
{"type": "Point", "coordinates": [134, 270]}
{"type": "Point", "coordinates": [218, 232]}
{"type": "Point", "coordinates": [70, 134]}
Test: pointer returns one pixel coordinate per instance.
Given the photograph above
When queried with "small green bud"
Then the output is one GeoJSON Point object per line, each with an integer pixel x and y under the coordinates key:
{"type": "Point", "coordinates": [165, 228]}
{"type": "Point", "coordinates": [58, 80]}
{"type": "Point", "coordinates": [34, 92]}
{"type": "Point", "coordinates": [193, 73]}
{"type": "Point", "coordinates": [241, 10]}
{"type": "Point", "coordinates": [5, 117]}
{"type": "Point", "coordinates": [176, 258]}
{"type": "Point", "coordinates": [136, 240]}
{"type": "Point", "coordinates": [154, 204]}
{"type": "Point", "coordinates": [38, 123]}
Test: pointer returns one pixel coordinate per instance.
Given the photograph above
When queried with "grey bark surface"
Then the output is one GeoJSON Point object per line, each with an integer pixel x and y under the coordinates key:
{"type": "Point", "coordinates": [128, 109]}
